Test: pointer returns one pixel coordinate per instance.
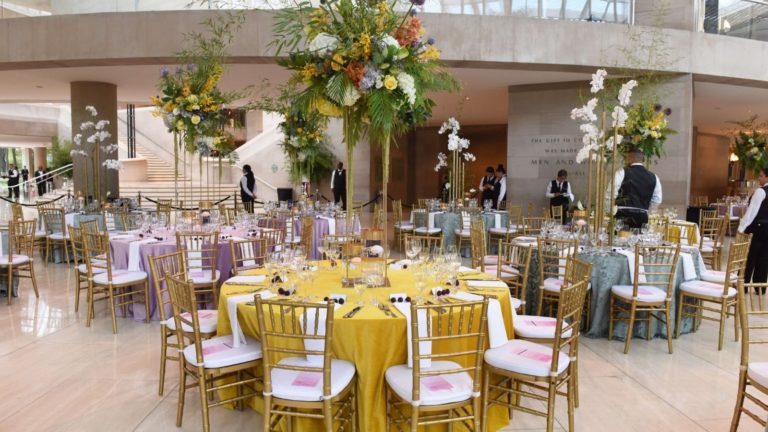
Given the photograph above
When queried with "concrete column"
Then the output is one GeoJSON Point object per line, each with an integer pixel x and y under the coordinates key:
{"type": "Point", "coordinates": [40, 158]}
{"type": "Point", "coordinates": [543, 139]}
{"type": "Point", "coordinates": [103, 97]}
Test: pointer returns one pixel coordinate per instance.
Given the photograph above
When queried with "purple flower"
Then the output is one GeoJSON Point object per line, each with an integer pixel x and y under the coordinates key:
{"type": "Point", "coordinates": [164, 72]}
{"type": "Point", "coordinates": [668, 111]}
{"type": "Point", "coordinates": [431, 41]}
{"type": "Point", "coordinates": [178, 69]}
{"type": "Point", "coordinates": [418, 2]}
{"type": "Point", "coordinates": [191, 66]}
{"type": "Point", "coordinates": [657, 107]}
{"type": "Point", "coordinates": [414, 12]}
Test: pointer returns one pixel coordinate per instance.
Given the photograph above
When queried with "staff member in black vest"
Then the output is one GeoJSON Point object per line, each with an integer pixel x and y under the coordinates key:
{"type": "Point", "coordinates": [40, 180]}
{"type": "Point", "coordinates": [248, 188]}
{"type": "Point", "coordinates": [339, 185]}
{"type": "Point", "coordinates": [755, 222]}
{"type": "Point", "coordinates": [559, 193]}
{"type": "Point", "coordinates": [636, 189]}
{"type": "Point", "coordinates": [486, 185]}
{"type": "Point", "coordinates": [13, 182]}
{"type": "Point", "coordinates": [500, 187]}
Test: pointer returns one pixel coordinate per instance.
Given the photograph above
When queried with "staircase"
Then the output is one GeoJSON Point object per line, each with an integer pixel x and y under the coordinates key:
{"type": "Point", "coordinates": [158, 170]}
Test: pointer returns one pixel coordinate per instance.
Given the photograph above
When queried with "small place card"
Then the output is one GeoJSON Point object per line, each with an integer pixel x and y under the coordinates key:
{"type": "Point", "coordinates": [541, 323]}
{"type": "Point", "coordinates": [213, 349]}
{"type": "Point", "coordinates": [436, 383]}
{"type": "Point", "coordinates": [307, 379]}
{"type": "Point", "coordinates": [533, 355]}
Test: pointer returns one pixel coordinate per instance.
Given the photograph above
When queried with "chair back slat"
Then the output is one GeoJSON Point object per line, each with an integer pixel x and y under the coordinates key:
{"type": "Point", "coordinates": [569, 313]}
{"type": "Point", "coordinates": [97, 253]}
{"type": "Point", "coordinates": [248, 254]}
{"type": "Point", "coordinates": [518, 257]}
{"type": "Point", "coordinates": [160, 267]}
{"type": "Point", "coordinates": [655, 266]}
{"type": "Point", "coordinates": [21, 239]}
{"type": "Point", "coordinates": [184, 306]}
{"type": "Point", "coordinates": [200, 250]}
{"type": "Point", "coordinates": [429, 244]}
{"type": "Point", "coordinates": [532, 225]}
{"type": "Point", "coordinates": [553, 257]}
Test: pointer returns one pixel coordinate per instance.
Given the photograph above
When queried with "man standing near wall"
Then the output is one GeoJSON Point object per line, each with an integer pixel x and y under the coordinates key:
{"type": "Point", "coordinates": [40, 180]}
{"type": "Point", "coordinates": [339, 185]}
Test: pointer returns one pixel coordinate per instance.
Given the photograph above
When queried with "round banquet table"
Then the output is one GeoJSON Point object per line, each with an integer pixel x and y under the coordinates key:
{"type": "Point", "coordinates": [120, 249]}
{"type": "Point", "coordinates": [370, 339]}
{"type": "Point", "coordinates": [449, 222]}
{"type": "Point", "coordinates": [609, 269]}
{"type": "Point", "coordinates": [320, 228]}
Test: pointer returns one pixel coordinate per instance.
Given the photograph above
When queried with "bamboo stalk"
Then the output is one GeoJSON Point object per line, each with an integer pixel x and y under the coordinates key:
{"type": "Point", "coordinates": [385, 181]}
{"type": "Point", "coordinates": [612, 220]}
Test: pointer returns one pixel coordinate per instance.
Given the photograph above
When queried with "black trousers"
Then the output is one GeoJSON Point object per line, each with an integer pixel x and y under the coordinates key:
{"type": "Point", "coordinates": [340, 195]}
{"type": "Point", "coordinates": [757, 261]}
{"type": "Point", "coordinates": [41, 189]}
{"type": "Point", "coordinates": [247, 202]}
{"type": "Point", "coordinates": [13, 190]}
{"type": "Point", "coordinates": [633, 218]}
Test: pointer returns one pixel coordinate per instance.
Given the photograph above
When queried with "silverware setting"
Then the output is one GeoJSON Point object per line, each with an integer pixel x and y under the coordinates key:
{"type": "Point", "coordinates": [352, 313]}
{"type": "Point", "coordinates": [384, 308]}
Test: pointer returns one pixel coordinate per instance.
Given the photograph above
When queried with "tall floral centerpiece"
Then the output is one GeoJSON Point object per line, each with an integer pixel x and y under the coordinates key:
{"type": "Point", "coordinates": [190, 102]}
{"type": "Point", "coordinates": [365, 63]}
{"type": "Point", "coordinates": [641, 126]}
{"type": "Point", "coordinates": [750, 143]}
{"type": "Point", "coordinates": [93, 140]}
{"type": "Point", "coordinates": [457, 148]}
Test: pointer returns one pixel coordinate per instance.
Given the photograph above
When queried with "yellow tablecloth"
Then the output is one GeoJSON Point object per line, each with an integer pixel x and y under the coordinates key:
{"type": "Point", "coordinates": [371, 340]}
{"type": "Point", "coordinates": [676, 228]}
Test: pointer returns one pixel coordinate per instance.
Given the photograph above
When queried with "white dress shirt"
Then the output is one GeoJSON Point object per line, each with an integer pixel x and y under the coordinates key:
{"type": "Point", "coordinates": [754, 206]}
{"type": "Point", "coordinates": [618, 178]}
{"type": "Point", "coordinates": [550, 195]}
{"type": "Point", "coordinates": [244, 185]}
{"type": "Point", "coordinates": [333, 176]}
{"type": "Point", "coordinates": [502, 190]}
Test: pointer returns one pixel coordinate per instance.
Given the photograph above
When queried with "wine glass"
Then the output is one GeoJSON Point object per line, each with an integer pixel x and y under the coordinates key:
{"type": "Point", "coordinates": [321, 248]}
{"type": "Point", "coordinates": [361, 285]}
{"type": "Point", "coordinates": [416, 246]}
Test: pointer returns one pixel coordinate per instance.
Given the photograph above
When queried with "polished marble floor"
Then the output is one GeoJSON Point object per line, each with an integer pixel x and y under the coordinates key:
{"type": "Point", "coordinates": [58, 375]}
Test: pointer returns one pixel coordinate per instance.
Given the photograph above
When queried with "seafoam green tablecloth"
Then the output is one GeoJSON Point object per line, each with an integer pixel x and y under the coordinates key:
{"type": "Point", "coordinates": [450, 222]}
{"type": "Point", "coordinates": [609, 269]}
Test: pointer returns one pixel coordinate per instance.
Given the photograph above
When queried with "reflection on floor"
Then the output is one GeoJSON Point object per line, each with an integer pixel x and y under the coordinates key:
{"type": "Point", "coordinates": [58, 375]}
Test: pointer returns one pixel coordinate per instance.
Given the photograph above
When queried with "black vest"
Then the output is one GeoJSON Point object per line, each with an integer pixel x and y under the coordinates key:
{"type": "Point", "coordinates": [762, 214]}
{"type": "Point", "coordinates": [560, 200]}
{"type": "Point", "coordinates": [339, 179]}
{"type": "Point", "coordinates": [488, 193]}
{"type": "Point", "coordinates": [637, 188]}
{"type": "Point", "coordinates": [249, 181]}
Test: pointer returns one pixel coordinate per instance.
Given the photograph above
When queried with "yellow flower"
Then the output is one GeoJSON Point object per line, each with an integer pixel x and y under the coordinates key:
{"type": "Point", "coordinates": [209, 84]}
{"type": "Point", "coordinates": [365, 42]}
{"type": "Point", "coordinates": [168, 107]}
{"type": "Point", "coordinates": [192, 99]}
{"type": "Point", "coordinates": [431, 53]}
{"type": "Point", "coordinates": [156, 101]}
{"type": "Point", "coordinates": [390, 83]}
{"type": "Point", "coordinates": [180, 124]}
{"type": "Point", "coordinates": [195, 119]}
{"type": "Point", "coordinates": [309, 71]}
{"type": "Point", "coordinates": [338, 62]}
{"type": "Point", "coordinates": [326, 108]}
{"type": "Point", "coordinates": [186, 91]}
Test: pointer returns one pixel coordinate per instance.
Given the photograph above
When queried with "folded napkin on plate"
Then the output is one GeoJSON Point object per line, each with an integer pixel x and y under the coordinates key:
{"type": "Point", "coordinates": [689, 270]}
{"type": "Point", "coordinates": [134, 259]}
{"type": "Point", "coordinates": [247, 279]}
{"type": "Point", "coordinates": [399, 265]}
{"type": "Point", "coordinates": [237, 332]}
{"type": "Point", "coordinates": [463, 269]}
{"type": "Point", "coordinates": [424, 347]}
{"type": "Point", "coordinates": [631, 261]}
{"type": "Point", "coordinates": [497, 220]}
{"type": "Point", "coordinates": [122, 236]}
{"type": "Point", "coordinates": [497, 332]}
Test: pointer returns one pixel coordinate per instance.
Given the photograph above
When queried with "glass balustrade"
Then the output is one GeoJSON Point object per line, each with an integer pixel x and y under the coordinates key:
{"type": "Point", "coordinates": [611, 11]}
{"type": "Point", "coordinates": [740, 18]}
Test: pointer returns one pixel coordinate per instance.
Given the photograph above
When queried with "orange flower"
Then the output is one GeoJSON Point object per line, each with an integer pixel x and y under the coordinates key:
{"type": "Point", "coordinates": [355, 72]}
{"type": "Point", "coordinates": [409, 32]}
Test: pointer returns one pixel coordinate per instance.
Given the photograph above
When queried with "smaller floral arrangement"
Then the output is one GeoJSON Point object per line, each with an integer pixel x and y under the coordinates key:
{"type": "Point", "coordinates": [645, 127]}
{"type": "Point", "coordinates": [750, 143]}
{"type": "Point", "coordinates": [95, 135]}
{"type": "Point", "coordinates": [456, 144]}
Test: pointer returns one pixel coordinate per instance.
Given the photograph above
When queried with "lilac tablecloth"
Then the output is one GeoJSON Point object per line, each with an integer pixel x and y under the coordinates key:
{"type": "Point", "coordinates": [320, 229]}
{"type": "Point", "coordinates": [120, 251]}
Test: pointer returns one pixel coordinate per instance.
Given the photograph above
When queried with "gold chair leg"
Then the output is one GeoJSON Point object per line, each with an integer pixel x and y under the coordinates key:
{"type": "Point", "coordinates": [327, 415]}
{"type": "Point", "coordinates": [77, 290]}
{"type": "Point", "coordinates": [668, 319]}
{"type": "Point", "coordinates": [111, 300]}
{"type": "Point", "coordinates": [10, 284]}
{"type": "Point", "coordinates": [739, 401]}
{"type": "Point", "coordinates": [182, 391]}
{"type": "Point", "coordinates": [89, 304]}
{"type": "Point", "coordinates": [722, 326]}
{"type": "Point", "coordinates": [541, 301]}
{"type": "Point", "coordinates": [735, 322]}
{"type": "Point", "coordinates": [610, 318]}
{"type": "Point", "coordinates": [146, 301]}
{"type": "Point", "coordinates": [267, 418]}
{"type": "Point", "coordinates": [34, 280]}
{"type": "Point", "coordinates": [571, 401]}
{"type": "Point", "coordinates": [649, 326]}
{"type": "Point", "coordinates": [204, 400]}
{"type": "Point", "coordinates": [630, 327]}
{"type": "Point", "coordinates": [680, 303]}
{"type": "Point", "coordinates": [551, 407]}
{"type": "Point", "coordinates": [387, 401]}
{"type": "Point", "coordinates": [484, 408]}
{"type": "Point", "coordinates": [163, 357]}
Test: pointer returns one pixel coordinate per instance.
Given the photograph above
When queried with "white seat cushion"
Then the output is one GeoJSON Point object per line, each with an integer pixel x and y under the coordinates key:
{"type": "Point", "coordinates": [461, 232]}
{"type": "Point", "coordinates": [758, 372]}
{"type": "Point", "coordinates": [208, 320]}
{"type": "Point", "coordinates": [218, 352]}
{"type": "Point", "coordinates": [645, 293]}
{"type": "Point", "coordinates": [536, 327]}
{"type": "Point", "coordinates": [525, 357]}
{"type": "Point", "coordinates": [404, 226]}
{"type": "Point", "coordinates": [41, 234]}
{"type": "Point", "coordinates": [308, 386]}
{"type": "Point", "coordinates": [425, 230]}
{"type": "Point", "coordinates": [203, 276]}
{"type": "Point", "coordinates": [82, 268]}
{"type": "Point", "coordinates": [717, 276]}
{"type": "Point", "coordinates": [503, 231]}
{"type": "Point", "coordinates": [120, 277]}
{"type": "Point", "coordinates": [506, 271]}
{"type": "Point", "coordinates": [491, 259]}
{"type": "Point", "coordinates": [58, 236]}
{"type": "Point", "coordinates": [435, 389]}
{"type": "Point", "coordinates": [553, 284]}
{"type": "Point", "coordinates": [17, 259]}
{"type": "Point", "coordinates": [705, 288]}
{"type": "Point", "coordinates": [516, 303]}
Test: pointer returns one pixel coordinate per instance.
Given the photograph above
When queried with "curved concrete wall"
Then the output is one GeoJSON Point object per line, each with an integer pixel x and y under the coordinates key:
{"type": "Point", "coordinates": [487, 41]}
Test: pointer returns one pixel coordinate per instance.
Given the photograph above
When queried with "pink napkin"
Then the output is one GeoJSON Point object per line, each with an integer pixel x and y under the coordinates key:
{"type": "Point", "coordinates": [307, 379]}
{"type": "Point", "coordinates": [213, 349]}
{"type": "Point", "coordinates": [436, 383]}
{"type": "Point", "coordinates": [533, 355]}
{"type": "Point", "coordinates": [541, 323]}
{"type": "Point", "coordinates": [644, 291]}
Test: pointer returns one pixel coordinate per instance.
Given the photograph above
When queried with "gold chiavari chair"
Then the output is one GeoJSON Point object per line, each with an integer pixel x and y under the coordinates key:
{"type": "Point", "coordinates": [287, 223]}
{"type": "Point", "coordinates": [229, 214]}
{"type": "Point", "coordinates": [462, 233]}
{"type": "Point", "coordinates": [307, 233]}
{"type": "Point", "coordinates": [532, 225]}
{"type": "Point", "coordinates": [201, 250]}
{"type": "Point", "coordinates": [205, 205]}
{"type": "Point", "coordinates": [274, 238]}
{"type": "Point", "coordinates": [711, 241]}
{"type": "Point", "coordinates": [17, 212]}
{"type": "Point", "coordinates": [651, 291]}
{"type": "Point", "coordinates": [720, 292]}
{"type": "Point", "coordinates": [117, 287]}
{"type": "Point", "coordinates": [556, 213]}
{"type": "Point", "coordinates": [160, 267]}
{"type": "Point", "coordinates": [401, 226]}
{"type": "Point", "coordinates": [113, 218]}
{"type": "Point", "coordinates": [502, 205]}
{"type": "Point", "coordinates": [530, 209]}
{"type": "Point", "coordinates": [81, 272]}
{"type": "Point", "coordinates": [478, 246]}
{"type": "Point", "coordinates": [164, 208]}
{"type": "Point", "coordinates": [461, 329]}
{"type": "Point", "coordinates": [213, 364]}
{"type": "Point", "coordinates": [553, 266]}
{"type": "Point", "coordinates": [751, 374]}
{"type": "Point", "coordinates": [514, 215]}
{"type": "Point", "coordinates": [508, 367]}
{"type": "Point", "coordinates": [338, 242]}
{"type": "Point", "coordinates": [56, 231]}
{"type": "Point", "coordinates": [19, 261]}
{"type": "Point", "coordinates": [516, 257]}
{"type": "Point", "coordinates": [130, 221]}
{"type": "Point", "coordinates": [329, 393]}
{"type": "Point", "coordinates": [91, 226]}
{"type": "Point", "coordinates": [368, 235]}
{"type": "Point", "coordinates": [422, 202]}
{"type": "Point", "coordinates": [661, 224]}
{"type": "Point", "coordinates": [429, 244]}
{"type": "Point", "coordinates": [702, 200]}
{"type": "Point", "coordinates": [707, 214]}
{"type": "Point", "coordinates": [248, 254]}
